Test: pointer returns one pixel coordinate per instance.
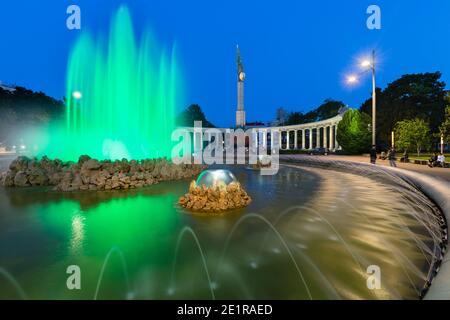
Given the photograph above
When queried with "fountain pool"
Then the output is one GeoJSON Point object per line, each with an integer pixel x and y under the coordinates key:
{"type": "Point", "coordinates": [310, 233]}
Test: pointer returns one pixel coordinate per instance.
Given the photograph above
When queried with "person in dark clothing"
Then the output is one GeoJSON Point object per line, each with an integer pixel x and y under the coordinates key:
{"type": "Point", "coordinates": [373, 155]}
{"type": "Point", "coordinates": [405, 157]}
{"type": "Point", "coordinates": [392, 158]}
{"type": "Point", "coordinates": [433, 161]}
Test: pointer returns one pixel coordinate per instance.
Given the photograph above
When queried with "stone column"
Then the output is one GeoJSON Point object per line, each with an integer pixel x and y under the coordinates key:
{"type": "Point", "coordinates": [331, 137]}
{"type": "Point", "coordinates": [325, 140]}
{"type": "Point", "coordinates": [318, 144]}
{"type": "Point", "coordinates": [287, 140]}
{"type": "Point", "coordinates": [304, 139]}
{"type": "Point", "coordinates": [271, 139]}
{"type": "Point", "coordinates": [280, 138]}
{"type": "Point", "coordinates": [264, 138]}
{"type": "Point", "coordinates": [310, 138]}
{"type": "Point", "coordinates": [295, 139]}
{"type": "Point", "coordinates": [255, 137]}
{"type": "Point", "coordinates": [336, 144]}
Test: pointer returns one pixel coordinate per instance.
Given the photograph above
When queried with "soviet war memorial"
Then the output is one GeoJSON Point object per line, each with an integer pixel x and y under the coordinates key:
{"type": "Point", "coordinates": [158, 151]}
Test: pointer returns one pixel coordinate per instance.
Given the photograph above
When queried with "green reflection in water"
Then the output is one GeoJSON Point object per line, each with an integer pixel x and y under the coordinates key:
{"type": "Point", "coordinates": [139, 226]}
{"type": "Point", "coordinates": [117, 222]}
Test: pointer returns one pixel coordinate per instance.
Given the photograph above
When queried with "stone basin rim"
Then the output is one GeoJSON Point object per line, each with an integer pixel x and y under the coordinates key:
{"type": "Point", "coordinates": [431, 187]}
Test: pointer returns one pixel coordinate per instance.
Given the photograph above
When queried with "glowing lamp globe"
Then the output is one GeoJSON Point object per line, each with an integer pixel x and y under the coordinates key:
{"type": "Point", "coordinates": [211, 178]}
{"type": "Point", "coordinates": [77, 95]}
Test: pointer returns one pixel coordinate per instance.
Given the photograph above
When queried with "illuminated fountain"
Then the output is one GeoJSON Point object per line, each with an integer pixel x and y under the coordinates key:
{"type": "Point", "coordinates": [120, 97]}
{"type": "Point", "coordinates": [311, 231]}
{"type": "Point", "coordinates": [215, 191]}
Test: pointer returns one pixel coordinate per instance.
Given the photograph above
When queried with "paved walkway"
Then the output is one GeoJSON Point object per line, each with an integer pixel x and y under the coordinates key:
{"type": "Point", "coordinates": [5, 160]}
{"type": "Point", "coordinates": [442, 173]}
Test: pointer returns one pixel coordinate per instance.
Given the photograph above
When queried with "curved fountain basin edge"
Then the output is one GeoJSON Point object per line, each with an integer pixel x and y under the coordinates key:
{"type": "Point", "coordinates": [435, 189]}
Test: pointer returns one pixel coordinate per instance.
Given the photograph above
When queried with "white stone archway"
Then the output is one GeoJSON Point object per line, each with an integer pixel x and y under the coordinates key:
{"type": "Point", "coordinates": [308, 136]}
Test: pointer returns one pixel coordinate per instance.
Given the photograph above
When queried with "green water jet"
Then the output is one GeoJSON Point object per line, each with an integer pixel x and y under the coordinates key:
{"type": "Point", "coordinates": [120, 97]}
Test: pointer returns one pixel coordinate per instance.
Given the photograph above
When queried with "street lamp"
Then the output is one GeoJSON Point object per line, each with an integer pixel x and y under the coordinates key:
{"type": "Point", "coordinates": [352, 79]}
{"type": "Point", "coordinates": [77, 95]}
{"type": "Point", "coordinates": [370, 65]}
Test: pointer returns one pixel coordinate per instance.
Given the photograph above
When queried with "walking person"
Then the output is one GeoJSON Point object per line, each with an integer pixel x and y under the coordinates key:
{"type": "Point", "coordinates": [433, 161]}
{"type": "Point", "coordinates": [392, 158]}
{"type": "Point", "coordinates": [441, 160]}
{"type": "Point", "coordinates": [373, 155]}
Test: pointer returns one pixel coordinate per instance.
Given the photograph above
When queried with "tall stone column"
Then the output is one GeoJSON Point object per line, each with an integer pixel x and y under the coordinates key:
{"type": "Point", "coordinates": [318, 144]}
{"type": "Point", "coordinates": [295, 140]}
{"type": "Point", "coordinates": [336, 144]}
{"type": "Point", "coordinates": [325, 137]}
{"type": "Point", "coordinates": [240, 113]}
{"type": "Point", "coordinates": [280, 139]}
{"type": "Point", "coordinates": [332, 137]}
{"type": "Point", "coordinates": [265, 138]}
{"type": "Point", "coordinates": [310, 139]}
{"type": "Point", "coordinates": [255, 140]}
{"type": "Point", "coordinates": [304, 139]}
{"type": "Point", "coordinates": [287, 140]}
{"type": "Point", "coordinates": [271, 139]}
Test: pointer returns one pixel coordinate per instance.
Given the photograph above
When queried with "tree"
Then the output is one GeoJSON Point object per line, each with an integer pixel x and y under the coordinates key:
{"type": "Point", "coordinates": [328, 109]}
{"type": "Point", "coordinates": [294, 118]}
{"type": "Point", "coordinates": [353, 132]}
{"type": "Point", "coordinates": [21, 109]}
{"type": "Point", "coordinates": [419, 95]}
{"type": "Point", "coordinates": [281, 116]}
{"type": "Point", "coordinates": [412, 134]}
{"type": "Point", "coordinates": [444, 128]}
{"type": "Point", "coordinates": [193, 113]}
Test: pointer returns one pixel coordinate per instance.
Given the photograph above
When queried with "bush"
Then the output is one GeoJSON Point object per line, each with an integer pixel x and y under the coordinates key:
{"type": "Point", "coordinates": [353, 132]}
{"type": "Point", "coordinates": [412, 135]}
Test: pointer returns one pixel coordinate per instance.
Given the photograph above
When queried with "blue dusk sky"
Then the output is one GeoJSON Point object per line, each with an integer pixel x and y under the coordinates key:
{"type": "Point", "coordinates": [296, 53]}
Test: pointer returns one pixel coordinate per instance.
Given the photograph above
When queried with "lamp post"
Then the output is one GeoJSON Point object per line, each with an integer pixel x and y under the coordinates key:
{"type": "Point", "coordinates": [374, 101]}
{"type": "Point", "coordinates": [393, 140]}
{"type": "Point", "coordinates": [370, 65]}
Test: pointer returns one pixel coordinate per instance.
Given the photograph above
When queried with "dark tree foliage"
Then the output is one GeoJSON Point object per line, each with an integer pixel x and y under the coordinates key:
{"type": "Point", "coordinates": [353, 132]}
{"type": "Point", "coordinates": [22, 108]}
{"type": "Point", "coordinates": [444, 128]}
{"type": "Point", "coordinates": [193, 113]}
{"type": "Point", "coordinates": [328, 109]}
{"type": "Point", "coordinates": [412, 96]}
{"type": "Point", "coordinates": [295, 118]}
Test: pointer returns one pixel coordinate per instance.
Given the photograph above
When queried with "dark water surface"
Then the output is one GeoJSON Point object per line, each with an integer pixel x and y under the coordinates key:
{"type": "Point", "coordinates": [309, 233]}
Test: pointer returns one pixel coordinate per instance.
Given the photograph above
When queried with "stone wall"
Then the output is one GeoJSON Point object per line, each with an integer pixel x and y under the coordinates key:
{"type": "Point", "coordinates": [91, 174]}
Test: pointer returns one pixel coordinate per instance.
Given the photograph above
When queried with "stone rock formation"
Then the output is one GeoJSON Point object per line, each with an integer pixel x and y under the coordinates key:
{"type": "Point", "coordinates": [91, 174]}
{"type": "Point", "coordinates": [262, 163]}
{"type": "Point", "coordinates": [215, 199]}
